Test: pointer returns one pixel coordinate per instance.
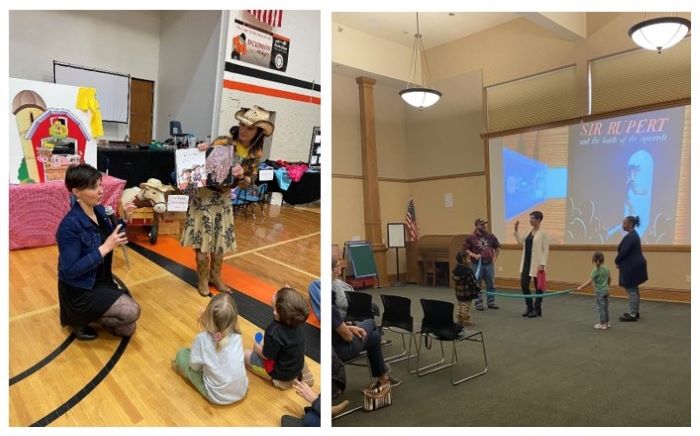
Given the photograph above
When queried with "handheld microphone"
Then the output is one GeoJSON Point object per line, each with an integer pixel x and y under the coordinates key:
{"type": "Point", "coordinates": [109, 211]}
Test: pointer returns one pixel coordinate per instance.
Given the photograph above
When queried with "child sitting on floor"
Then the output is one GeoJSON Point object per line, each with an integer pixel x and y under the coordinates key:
{"type": "Point", "coordinates": [466, 289]}
{"type": "Point", "coordinates": [280, 357]}
{"type": "Point", "coordinates": [215, 363]}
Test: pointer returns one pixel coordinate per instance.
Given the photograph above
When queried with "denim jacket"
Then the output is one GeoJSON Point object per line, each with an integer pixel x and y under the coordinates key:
{"type": "Point", "coordinates": [78, 247]}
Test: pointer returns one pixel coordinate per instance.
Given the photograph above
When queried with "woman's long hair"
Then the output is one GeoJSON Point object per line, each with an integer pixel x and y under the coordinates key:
{"type": "Point", "coordinates": [220, 319]}
{"type": "Point", "coordinates": [256, 145]}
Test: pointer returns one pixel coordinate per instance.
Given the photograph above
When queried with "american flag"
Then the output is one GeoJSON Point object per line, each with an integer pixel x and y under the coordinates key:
{"type": "Point", "coordinates": [270, 17]}
{"type": "Point", "coordinates": [411, 228]}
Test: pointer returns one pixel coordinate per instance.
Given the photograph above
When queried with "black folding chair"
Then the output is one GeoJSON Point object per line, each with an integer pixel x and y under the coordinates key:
{"type": "Point", "coordinates": [397, 319]}
{"type": "Point", "coordinates": [359, 307]}
{"type": "Point", "coordinates": [438, 324]}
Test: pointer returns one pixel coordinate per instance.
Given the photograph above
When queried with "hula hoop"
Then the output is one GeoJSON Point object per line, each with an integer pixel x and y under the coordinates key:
{"type": "Point", "coordinates": [515, 295]}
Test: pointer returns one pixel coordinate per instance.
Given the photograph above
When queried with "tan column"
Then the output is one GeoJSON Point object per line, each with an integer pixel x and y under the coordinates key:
{"type": "Point", "coordinates": [370, 176]}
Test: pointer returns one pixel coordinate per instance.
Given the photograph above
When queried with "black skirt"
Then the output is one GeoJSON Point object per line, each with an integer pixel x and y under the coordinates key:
{"type": "Point", "coordinates": [82, 306]}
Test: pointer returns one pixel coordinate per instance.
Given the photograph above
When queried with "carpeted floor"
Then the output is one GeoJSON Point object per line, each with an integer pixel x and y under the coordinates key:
{"type": "Point", "coordinates": [556, 370]}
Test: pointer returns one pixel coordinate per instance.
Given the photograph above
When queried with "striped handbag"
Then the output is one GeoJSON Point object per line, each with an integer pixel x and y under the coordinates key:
{"type": "Point", "coordinates": [376, 397]}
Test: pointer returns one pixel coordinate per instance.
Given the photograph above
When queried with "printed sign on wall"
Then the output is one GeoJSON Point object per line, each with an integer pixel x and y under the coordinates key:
{"type": "Point", "coordinates": [260, 47]}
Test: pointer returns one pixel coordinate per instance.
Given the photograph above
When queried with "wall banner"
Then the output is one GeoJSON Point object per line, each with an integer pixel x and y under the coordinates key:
{"type": "Point", "coordinates": [260, 47]}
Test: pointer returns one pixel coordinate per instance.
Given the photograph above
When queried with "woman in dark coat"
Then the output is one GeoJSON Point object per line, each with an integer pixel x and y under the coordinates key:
{"type": "Point", "coordinates": [87, 292]}
{"type": "Point", "coordinates": [632, 265]}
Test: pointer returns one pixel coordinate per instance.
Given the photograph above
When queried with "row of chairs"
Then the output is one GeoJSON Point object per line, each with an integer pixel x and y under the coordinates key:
{"type": "Point", "coordinates": [246, 199]}
{"type": "Point", "coordinates": [437, 324]}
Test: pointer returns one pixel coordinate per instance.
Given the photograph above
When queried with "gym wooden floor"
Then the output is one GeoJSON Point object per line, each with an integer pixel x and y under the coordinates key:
{"type": "Point", "coordinates": [83, 386]}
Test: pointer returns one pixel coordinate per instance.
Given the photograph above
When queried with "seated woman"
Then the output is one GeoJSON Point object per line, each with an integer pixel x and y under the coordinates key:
{"type": "Point", "coordinates": [86, 238]}
{"type": "Point", "coordinates": [349, 340]}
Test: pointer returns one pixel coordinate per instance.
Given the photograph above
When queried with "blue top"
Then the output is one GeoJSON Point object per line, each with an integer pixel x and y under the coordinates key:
{"type": "Point", "coordinates": [79, 240]}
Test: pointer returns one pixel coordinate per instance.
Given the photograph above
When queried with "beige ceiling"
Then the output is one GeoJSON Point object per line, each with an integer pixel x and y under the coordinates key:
{"type": "Point", "coordinates": [437, 28]}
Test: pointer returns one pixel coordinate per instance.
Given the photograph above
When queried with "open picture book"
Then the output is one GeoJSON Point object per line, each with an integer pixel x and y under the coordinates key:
{"type": "Point", "coordinates": [213, 167]}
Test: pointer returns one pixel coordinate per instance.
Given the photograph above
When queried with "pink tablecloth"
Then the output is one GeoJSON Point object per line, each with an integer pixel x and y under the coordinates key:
{"type": "Point", "coordinates": [36, 210]}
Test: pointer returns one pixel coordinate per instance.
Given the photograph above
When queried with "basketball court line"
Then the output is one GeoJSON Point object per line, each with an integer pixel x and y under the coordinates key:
{"type": "Point", "coordinates": [276, 244]}
{"type": "Point", "coordinates": [286, 265]}
{"type": "Point", "coordinates": [92, 384]}
{"type": "Point", "coordinates": [168, 249]}
{"type": "Point", "coordinates": [55, 306]}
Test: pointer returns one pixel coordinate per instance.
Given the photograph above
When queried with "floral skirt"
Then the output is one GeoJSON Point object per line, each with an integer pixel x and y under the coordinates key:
{"type": "Point", "coordinates": [209, 224]}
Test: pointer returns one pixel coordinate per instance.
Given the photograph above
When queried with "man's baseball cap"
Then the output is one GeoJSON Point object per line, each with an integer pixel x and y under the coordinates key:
{"type": "Point", "coordinates": [480, 221]}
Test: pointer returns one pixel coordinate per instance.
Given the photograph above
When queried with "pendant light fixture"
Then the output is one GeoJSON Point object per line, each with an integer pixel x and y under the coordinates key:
{"type": "Point", "coordinates": [419, 96]}
{"type": "Point", "coordinates": [659, 33]}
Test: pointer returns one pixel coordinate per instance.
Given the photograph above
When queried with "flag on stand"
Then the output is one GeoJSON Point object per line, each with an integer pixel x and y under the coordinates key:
{"type": "Point", "coordinates": [411, 228]}
{"type": "Point", "coordinates": [270, 17]}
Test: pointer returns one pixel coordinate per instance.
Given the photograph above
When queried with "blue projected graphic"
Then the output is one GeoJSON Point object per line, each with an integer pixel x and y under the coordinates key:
{"type": "Point", "coordinates": [529, 182]}
{"type": "Point", "coordinates": [640, 177]}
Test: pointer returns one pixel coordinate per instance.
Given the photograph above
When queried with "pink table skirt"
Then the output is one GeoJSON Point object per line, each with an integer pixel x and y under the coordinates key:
{"type": "Point", "coordinates": [37, 209]}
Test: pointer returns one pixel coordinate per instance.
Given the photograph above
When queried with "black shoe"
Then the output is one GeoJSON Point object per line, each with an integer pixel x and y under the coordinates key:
{"type": "Point", "coordinates": [290, 421]}
{"type": "Point", "coordinates": [493, 306]}
{"type": "Point", "coordinates": [84, 333]}
{"type": "Point", "coordinates": [628, 318]}
{"type": "Point", "coordinates": [538, 311]}
{"type": "Point", "coordinates": [532, 315]}
{"type": "Point", "coordinates": [527, 313]}
{"type": "Point", "coordinates": [394, 381]}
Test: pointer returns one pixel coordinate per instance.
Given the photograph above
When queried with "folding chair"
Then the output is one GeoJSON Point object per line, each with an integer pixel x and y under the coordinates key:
{"type": "Point", "coordinates": [180, 139]}
{"type": "Point", "coordinates": [238, 201]}
{"type": "Point", "coordinates": [256, 196]}
{"type": "Point", "coordinates": [438, 324]}
{"type": "Point", "coordinates": [359, 307]}
{"type": "Point", "coordinates": [397, 319]}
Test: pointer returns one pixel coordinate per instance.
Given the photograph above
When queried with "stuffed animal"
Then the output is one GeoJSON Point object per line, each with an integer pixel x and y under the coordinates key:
{"type": "Point", "coordinates": [149, 194]}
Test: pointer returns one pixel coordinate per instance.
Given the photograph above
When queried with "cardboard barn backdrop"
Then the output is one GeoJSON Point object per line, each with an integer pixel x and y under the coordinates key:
{"type": "Point", "coordinates": [47, 132]}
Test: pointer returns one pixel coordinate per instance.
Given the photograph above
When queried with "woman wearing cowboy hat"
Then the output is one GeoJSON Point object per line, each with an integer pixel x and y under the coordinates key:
{"type": "Point", "coordinates": [209, 226]}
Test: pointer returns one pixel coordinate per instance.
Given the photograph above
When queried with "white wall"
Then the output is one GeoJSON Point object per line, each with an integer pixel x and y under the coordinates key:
{"type": "Point", "coordinates": [294, 120]}
{"type": "Point", "coordinates": [369, 53]}
{"type": "Point", "coordinates": [187, 65]}
{"type": "Point", "coordinates": [120, 41]}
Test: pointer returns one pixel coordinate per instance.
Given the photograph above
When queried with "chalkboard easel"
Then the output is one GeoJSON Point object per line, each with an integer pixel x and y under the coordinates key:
{"type": "Point", "coordinates": [360, 262]}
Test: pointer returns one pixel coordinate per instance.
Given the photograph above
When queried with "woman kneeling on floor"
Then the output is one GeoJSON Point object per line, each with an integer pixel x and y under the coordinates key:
{"type": "Point", "coordinates": [86, 237]}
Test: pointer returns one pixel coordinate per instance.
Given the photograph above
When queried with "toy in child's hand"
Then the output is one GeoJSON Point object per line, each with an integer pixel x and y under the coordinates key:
{"type": "Point", "coordinates": [258, 337]}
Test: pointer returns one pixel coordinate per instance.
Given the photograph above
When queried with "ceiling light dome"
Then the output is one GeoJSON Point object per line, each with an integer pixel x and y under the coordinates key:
{"type": "Point", "coordinates": [659, 33]}
{"type": "Point", "coordinates": [419, 96]}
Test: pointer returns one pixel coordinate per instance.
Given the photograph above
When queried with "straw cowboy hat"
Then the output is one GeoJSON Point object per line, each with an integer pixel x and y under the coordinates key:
{"type": "Point", "coordinates": [258, 117]}
{"type": "Point", "coordinates": [156, 184]}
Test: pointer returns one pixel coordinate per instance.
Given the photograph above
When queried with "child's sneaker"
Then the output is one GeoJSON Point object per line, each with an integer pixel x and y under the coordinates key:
{"type": "Point", "coordinates": [600, 326]}
{"type": "Point", "coordinates": [608, 324]}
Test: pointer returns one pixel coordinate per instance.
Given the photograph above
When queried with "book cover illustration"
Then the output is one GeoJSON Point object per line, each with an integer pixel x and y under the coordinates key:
{"type": "Point", "coordinates": [196, 169]}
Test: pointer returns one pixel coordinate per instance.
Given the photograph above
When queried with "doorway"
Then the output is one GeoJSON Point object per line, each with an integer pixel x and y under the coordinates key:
{"type": "Point", "coordinates": [141, 117]}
